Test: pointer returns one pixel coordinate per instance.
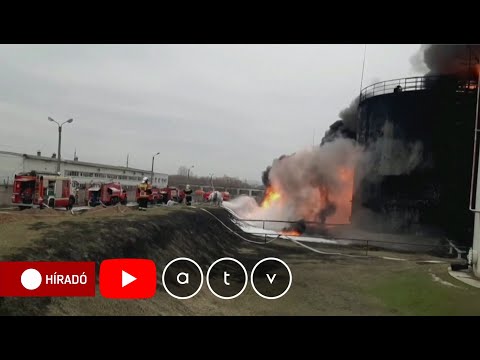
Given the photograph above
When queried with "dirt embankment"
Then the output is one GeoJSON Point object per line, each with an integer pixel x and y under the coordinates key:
{"type": "Point", "coordinates": [16, 215]}
{"type": "Point", "coordinates": [322, 284]}
{"type": "Point", "coordinates": [160, 236]}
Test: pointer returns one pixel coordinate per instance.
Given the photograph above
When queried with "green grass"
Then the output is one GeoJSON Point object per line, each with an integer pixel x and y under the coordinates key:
{"type": "Point", "coordinates": [413, 292]}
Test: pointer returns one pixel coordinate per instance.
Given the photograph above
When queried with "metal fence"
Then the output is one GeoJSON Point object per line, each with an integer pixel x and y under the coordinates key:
{"type": "Point", "coordinates": [415, 84]}
{"type": "Point", "coordinates": [361, 246]}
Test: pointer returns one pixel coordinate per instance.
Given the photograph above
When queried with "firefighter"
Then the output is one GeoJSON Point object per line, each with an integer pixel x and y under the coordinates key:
{"type": "Point", "coordinates": [215, 198]}
{"type": "Point", "coordinates": [143, 187]}
{"type": "Point", "coordinates": [27, 195]}
{"type": "Point", "coordinates": [188, 195]}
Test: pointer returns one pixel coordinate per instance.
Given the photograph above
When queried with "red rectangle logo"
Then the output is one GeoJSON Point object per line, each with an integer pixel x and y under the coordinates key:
{"type": "Point", "coordinates": [128, 278]}
{"type": "Point", "coordinates": [43, 278]}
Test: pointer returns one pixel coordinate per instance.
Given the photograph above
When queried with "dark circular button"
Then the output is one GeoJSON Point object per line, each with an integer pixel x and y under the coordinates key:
{"type": "Point", "coordinates": [271, 278]}
{"type": "Point", "coordinates": [227, 278]}
{"type": "Point", "coordinates": [182, 278]}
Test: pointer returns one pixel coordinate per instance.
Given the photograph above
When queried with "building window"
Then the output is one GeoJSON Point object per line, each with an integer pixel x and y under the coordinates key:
{"type": "Point", "coordinates": [71, 173]}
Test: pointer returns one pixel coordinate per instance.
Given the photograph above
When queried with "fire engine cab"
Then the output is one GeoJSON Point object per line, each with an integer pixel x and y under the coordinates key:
{"type": "Point", "coordinates": [35, 189]}
{"type": "Point", "coordinates": [171, 193]}
{"type": "Point", "coordinates": [107, 194]}
{"type": "Point", "coordinates": [155, 197]}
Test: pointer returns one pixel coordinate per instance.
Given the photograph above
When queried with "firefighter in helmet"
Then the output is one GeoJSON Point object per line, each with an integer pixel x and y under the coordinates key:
{"type": "Point", "coordinates": [188, 195]}
{"type": "Point", "coordinates": [143, 191]}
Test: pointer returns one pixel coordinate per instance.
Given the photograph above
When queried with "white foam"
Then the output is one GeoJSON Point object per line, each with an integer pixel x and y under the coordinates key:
{"type": "Point", "coordinates": [250, 228]}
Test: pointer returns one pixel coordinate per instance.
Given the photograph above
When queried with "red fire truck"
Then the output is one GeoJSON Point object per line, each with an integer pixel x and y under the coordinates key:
{"type": "Point", "coordinates": [172, 193]}
{"type": "Point", "coordinates": [225, 195]}
{"type": "Point", "coordinates": [107, 194]}
{"type": "Point", "coordinates": [155, 197]}
{"type": "Point", "coordinates": [35, 189]}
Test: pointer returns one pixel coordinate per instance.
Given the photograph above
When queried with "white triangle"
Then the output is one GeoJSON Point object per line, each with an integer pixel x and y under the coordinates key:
{"type": "Point", "coordinates": [127, 278]}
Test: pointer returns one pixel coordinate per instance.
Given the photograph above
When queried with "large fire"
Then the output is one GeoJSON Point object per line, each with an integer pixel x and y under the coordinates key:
{"type": "Point", "coordinates": [271, 196]}
{"type": "Point", "coordinates": [309, 186]}
{"type": "Point", "coordinates": [332, 205]}
{"type": "Point", "coordinates": [342, 197]}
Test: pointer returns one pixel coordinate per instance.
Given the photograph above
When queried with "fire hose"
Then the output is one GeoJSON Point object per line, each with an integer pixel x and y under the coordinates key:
{"type": "Point", "coordinates": [316, 250]}
{"type": "Point", "coordinates": [240, 236]}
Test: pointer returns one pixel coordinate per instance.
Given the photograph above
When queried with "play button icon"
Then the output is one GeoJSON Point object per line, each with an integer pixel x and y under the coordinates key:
{"type": "Point", "coordinates": [127, 278]}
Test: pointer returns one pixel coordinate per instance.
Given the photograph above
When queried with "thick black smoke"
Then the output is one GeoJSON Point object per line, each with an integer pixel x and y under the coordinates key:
{"type": "Point", "coordinates": [386, 156]}
{"type": "Point", "coordinates": [346, 127]}
{"type": "Point", "coordinates": [349, 115]}
{"type": "Point", "coordinates": [458, 60]}
{"type": "Point", "coordinates": [265, 178]}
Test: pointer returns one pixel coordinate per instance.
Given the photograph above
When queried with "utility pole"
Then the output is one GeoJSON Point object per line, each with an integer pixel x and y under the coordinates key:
{"type": "Point", "coordinates": [188, 173]}
{"type": "Point", "coordinates": [363, 68]}
{"type": "Point", "coordinates": [59, 139]}
{"type": "Point", "coordinates": [127, 160]}
{"type": "Point", "coordinates": [211, 181]}
{"type": "Point", "coordinates": [476, 168]}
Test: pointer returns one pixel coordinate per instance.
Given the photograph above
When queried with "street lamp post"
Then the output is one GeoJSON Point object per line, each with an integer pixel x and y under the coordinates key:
{"type": "Point", "coordinates": [188, 173]}
{"type": "Point", "coordinates": [153, 160]}
{"type": "Point", "coordinates": [211, 180]}
{"type": "Point", "coordinates": [59, 139]}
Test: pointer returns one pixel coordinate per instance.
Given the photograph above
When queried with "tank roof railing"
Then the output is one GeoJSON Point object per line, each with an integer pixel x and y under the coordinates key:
{"type": "Point", "coordinates": [412, 84]}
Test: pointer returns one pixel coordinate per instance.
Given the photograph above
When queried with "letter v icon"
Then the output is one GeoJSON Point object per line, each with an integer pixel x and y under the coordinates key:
{"type": "Point", "coordinates": [271, 278]}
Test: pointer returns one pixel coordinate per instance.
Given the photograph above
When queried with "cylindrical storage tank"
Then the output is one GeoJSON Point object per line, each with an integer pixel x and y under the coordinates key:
{"type": "Point", "coordinates": [419, 132]}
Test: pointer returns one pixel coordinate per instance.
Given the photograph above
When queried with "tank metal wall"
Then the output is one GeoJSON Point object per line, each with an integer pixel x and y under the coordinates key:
{"type": "Point", "coordinates": [434, 193]}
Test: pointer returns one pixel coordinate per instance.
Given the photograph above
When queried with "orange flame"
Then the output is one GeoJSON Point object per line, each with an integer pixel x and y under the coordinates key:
{"type": "Point", "coordinates": [342, 197]}
{"type": "Point", "coordinates": [271, 196]}
{"type": "Point", "coordinates": [317, 200]}
{"type": "Point", "coordinates": [291, 233]}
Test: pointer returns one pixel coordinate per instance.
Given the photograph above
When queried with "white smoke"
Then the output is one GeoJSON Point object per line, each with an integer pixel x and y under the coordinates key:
{"type": "Point", "coordinates": [391, 156]}
{"type": "Point", "coordinates": [314, 184]}
{"type": "Point", "coordinates": [301, 180]}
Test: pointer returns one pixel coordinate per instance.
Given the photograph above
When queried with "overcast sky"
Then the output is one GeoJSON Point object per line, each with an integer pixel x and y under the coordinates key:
{"type": "Point", "coordinates": [226, 109]}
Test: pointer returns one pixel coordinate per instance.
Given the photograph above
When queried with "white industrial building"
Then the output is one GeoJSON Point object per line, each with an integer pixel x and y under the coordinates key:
{"type": "Point", "coordinates": [84, 173]}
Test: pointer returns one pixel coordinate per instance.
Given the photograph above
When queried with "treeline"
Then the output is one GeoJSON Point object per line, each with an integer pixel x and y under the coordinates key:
{"type": "Point", "coordinates": [221, 182]}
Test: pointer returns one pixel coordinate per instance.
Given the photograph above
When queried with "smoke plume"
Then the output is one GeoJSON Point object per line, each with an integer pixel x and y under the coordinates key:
{"type": "Point", "coordinates": [266, 172]}
{"type": "Point", "coordinates": [391, 156]}
{"type": "Point", "coordinates": [313, 184]}
{"type": "Point", "coordinates": [458, 60]}
{"type": "Point", "coordinates": [265, 176]}
{"type": "Point", "coordinates": [349, 115]}
{"type": "Point", "coordinates": [346, 127]}
{"type": "Point", "coordinates": [318, 183]}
